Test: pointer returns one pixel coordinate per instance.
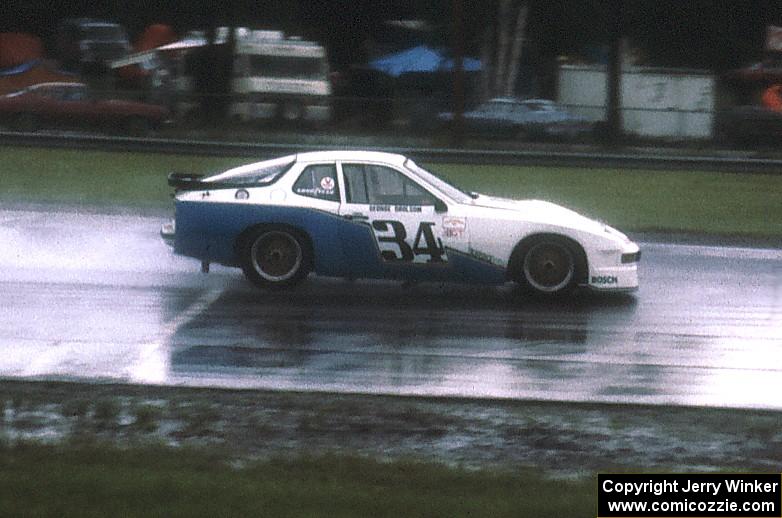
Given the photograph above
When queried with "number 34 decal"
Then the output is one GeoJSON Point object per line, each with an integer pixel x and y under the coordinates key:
{"type": "Point", "coordinates": [426, 248]}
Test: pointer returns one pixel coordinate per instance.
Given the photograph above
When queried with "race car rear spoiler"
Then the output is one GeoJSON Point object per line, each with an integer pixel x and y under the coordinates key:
{"type": "Point", "coordinates": [187, 181]}
{"type": "Point", "coordinates": [195, 182]}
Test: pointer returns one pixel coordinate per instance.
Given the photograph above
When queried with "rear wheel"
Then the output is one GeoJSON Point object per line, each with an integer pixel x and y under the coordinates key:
{"type": "Point", "coordinates": [274, 258]}
{"type": "Point", "coordinates": [548, 266]}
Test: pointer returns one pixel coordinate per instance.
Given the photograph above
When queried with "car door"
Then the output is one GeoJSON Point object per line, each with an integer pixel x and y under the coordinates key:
{"type": "Point", "coordinates": [396, 229]}
{"type": "Point", "coordinates": [485, 119]}
{"type": "Point", "coordinates": [523, 118]}
{"type": "Point", "coordinates": [48, 105]}
{"type": "Point", "coordinates": [75, 108]}
{"type": "Point", "coordinates": [497, 119]}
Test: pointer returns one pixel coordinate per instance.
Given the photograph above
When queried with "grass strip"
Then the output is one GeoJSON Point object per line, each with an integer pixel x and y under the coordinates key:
{"type": "Point", "coordinates": [633, 200]}
{"type": "Point", "coordinates": [93, 480]}
{"type": "Point", "coordinates": [96, 178]}
{"type": "Point", "coordinates": [643, 200]}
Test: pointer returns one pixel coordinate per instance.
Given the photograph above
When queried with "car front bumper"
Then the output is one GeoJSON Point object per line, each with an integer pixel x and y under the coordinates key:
{"type": "Point", "coordinates": [614, 279]}
{"type": "Point", "coordinates": [615, 270]}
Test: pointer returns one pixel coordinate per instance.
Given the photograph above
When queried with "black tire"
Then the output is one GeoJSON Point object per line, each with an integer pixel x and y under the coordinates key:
{"type": "Point", "coordinates": [548, 266]}
{"type": "Point", "coordinates": [275, 257]}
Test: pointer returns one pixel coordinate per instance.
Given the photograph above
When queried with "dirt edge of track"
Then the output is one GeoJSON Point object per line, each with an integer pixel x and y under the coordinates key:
{"type": "Point", "coordinates": [563, 439]}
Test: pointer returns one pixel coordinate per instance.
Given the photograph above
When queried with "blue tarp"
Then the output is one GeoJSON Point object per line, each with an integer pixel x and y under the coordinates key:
{"type": "Point", "coordinates": [420, 59]}
{"type": "Point", "coordinates": [29, 65]}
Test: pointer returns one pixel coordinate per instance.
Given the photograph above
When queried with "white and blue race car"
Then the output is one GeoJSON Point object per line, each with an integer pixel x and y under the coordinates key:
{"type": "Point", "coordinates": [359, 214]}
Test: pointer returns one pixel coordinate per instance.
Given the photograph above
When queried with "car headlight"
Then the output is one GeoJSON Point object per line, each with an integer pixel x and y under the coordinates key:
{"type": "Point", "coordinates": [631, 258]}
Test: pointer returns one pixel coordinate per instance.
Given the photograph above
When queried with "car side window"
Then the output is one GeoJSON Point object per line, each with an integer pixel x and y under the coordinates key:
{"type": "Point", "coordinates": [493, 108]}
{"type": "Point", "coordinates": [355, 184]}
{"type": "Point", "coordinates": [376, 184]}
{"type": "Point", "coordinates": [72, 94]}
{"type": "Point", "coordinates": [499, 110]}
{"type": "Point", "coordinates": [50, 93]}
{"type": "Point", "coordinates": [318, 181]}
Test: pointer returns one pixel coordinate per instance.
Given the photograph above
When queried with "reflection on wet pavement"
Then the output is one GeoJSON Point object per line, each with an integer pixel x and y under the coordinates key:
{"type": "Point", "coordinates": [109, 302]}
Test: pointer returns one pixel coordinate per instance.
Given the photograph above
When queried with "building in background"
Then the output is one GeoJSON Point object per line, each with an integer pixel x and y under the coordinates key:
{"type": "Point", "coordinates": [271, 76]}
{"type": "Point", "coordinates": [655, 102]}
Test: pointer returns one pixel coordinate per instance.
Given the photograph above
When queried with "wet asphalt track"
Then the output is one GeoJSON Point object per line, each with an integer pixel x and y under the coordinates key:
{"type": "Point", "coordinates": [100, 297]}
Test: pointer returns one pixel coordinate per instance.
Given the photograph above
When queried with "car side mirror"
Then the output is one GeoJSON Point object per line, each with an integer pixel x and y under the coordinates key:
{"type": "Point", "coordinates": [440, 206]}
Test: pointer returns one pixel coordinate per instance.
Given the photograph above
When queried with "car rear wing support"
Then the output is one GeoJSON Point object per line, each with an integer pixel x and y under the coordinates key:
{"type": "Point", "coordinates": [187, 181]}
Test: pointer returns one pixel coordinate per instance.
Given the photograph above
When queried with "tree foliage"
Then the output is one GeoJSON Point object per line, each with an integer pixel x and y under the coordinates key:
{"type": "Point", "coordinates": [502, 46]}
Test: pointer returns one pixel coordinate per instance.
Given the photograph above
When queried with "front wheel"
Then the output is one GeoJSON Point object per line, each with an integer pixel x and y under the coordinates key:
{"type": "Point", "coordinates": [548, 267]}
{"type": "Point", "coordinates": [274, 258]}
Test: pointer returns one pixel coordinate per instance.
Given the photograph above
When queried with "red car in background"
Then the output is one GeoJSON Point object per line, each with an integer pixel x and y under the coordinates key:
{"type": "Point", "coordinates": [68, 105]}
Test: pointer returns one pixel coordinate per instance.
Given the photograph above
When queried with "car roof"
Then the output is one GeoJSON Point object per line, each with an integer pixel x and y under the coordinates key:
{"type": "Point", "coordinates": [539, 100]}
{"type": "Point", "coordinates": [87, 21]}
{"type": "Point", "coordinates": [504, 100]}
{"type": "Point", "coordinates": [41, 86]}
{"type": "Point", "coordinates": [53, 84]}
{"type": "Point", "coordinates": [348, 155]}
{"type": "Point", "coordinates": [515, 100]}
{"type": "Point", "coordinates": [313, 157]}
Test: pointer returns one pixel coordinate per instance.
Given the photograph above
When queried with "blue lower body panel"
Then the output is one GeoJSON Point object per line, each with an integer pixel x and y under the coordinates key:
{"type": "Point", "coordinates": [209, 232]}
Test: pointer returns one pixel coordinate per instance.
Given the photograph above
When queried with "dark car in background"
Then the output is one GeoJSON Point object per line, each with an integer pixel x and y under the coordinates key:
{"type": "Point", "coordinates": [88, 45]}
{"type": "Point", "coordinates": [524, 119]}
{"type": "Point", "coordinates": [748, 125]}
{"type": "Point", "coordinates": [61, 105]}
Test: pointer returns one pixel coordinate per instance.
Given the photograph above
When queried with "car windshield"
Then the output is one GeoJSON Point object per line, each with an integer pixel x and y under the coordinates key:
{"type": "Point", "coordinates": [446, 188]}
{"type": "Point", "coordinates": [103, 33]}
{"type": "Point", "coordinates": [260, 173]}
{"type": "Point", "coordinates": [74, 93]}
{"type": "Point", "coordinates": [540, 106]}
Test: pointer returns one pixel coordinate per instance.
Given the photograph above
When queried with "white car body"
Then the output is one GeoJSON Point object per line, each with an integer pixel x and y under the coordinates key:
{"type": "Point", "coordinates": [347, 224]}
